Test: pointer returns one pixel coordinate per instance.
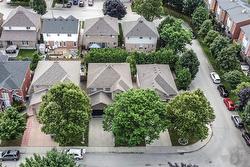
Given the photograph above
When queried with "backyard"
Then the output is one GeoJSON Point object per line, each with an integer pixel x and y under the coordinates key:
{"type": "Point", "coordinates": [25, 54]}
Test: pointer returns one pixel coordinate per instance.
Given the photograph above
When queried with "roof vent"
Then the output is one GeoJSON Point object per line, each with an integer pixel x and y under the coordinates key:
{"type": "Point", "coordinates": [244, 11]}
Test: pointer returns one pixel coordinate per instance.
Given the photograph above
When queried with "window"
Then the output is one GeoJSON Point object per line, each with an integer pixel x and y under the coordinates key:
{"type": "Point", "coordinates": [48, 35]}
{"type": "Point", "coordinates": [114, 43]}
{"type": "Point", "coordinates": [69, 35]}
{"type": "Point", "coordinates": [25, 43]}
{"type": "Point", "coordinates": [75, 44]}
{"type": "Point", "coordinates": [9, 28]}
{"type": "Point", "coordinates": [141, 37]}
{"type": "Point", "coordinates": [64, 44]}
{"type": "Point", "coordinates": [5, 96]}
{"type": "Point", "coordinates": [107, 89]}
{"type": "Point", "coordinates": [58, 34]}
{"type": "Point", "coordinates": [28, 28]}
{"type": "Point", "coordinates": [150, 38]}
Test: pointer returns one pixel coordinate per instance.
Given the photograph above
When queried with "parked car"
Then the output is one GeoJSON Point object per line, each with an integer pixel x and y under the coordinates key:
{"type": "Point", "coordinates": [246, 137]}
{"type": "Point", "coordinates": [215, 77]}
{"type": "Point", "coordinates": [81, 3]}
{"type": "Point", "coordinates": [10, 155]}
{"type": "Point", "coordinates": [69, 4]}
{"type": "Point", "coordinates": [77, 153]}
{"type": "Point", "coordinates": [90, 2]}
{"type": "Point", "coordinates": [229, 104]}
{"type": "Point", "coordinates": [223, 91]}
{"type": "Point", "coordinates": [245, 68]}
{"type": "Point", "coordinates": [237, 121]}
{"type": "Point", "coordinates": [75, 2]}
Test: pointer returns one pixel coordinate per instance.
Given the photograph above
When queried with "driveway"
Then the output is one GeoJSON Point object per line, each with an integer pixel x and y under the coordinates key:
{"type": "Point", "coordinates": [97, 136]}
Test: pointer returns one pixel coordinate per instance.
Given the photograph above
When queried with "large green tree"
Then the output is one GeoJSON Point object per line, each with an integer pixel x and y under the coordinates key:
{"type": "Point", "coordinates": [189, 6]}
{"type": "Point", "coordinates": [241, 86]}
{"type": "Point", "coordinates": [189, 114]}
{"type": "Point", "coordinates": [114, 8]}
{"type": "Point", "coordinates": [183, 78]}
{"type": "Point", "coordinates": [206, 26]}
{"type": "Point", "coordinates": [12, 124]}
{"type": "Point", "coordinates": [246, 114]}
{"type": "Point", "coordinates": [170, 20]}
{"type": "Point", "coordinates": [39, 6]}
{"type": "Point", "coordinates": [51, 159]}
{"type": "Point", "coordinates": [35, 59]}
{"type": "Point", "coordinates": [176, 36]}
{"type": "Point", "coordinates": [234, 78]}
{"type": "Point", "coordinates": [199, 16]}
{"type": "Point", "coordinates": [211, 35]}
{"type": "Point", "coordinates": [227, 58]}
{"type": "Point", "coordinates": [219, 43]}
{"type": "Point", "coordinates": [65, 112]}
{"type": "Point", "coordinates": [149, 9]}
{"type": "Point", "coordinates": [136, 117]}
{"type": "Point", "coordinates": [189, 60]}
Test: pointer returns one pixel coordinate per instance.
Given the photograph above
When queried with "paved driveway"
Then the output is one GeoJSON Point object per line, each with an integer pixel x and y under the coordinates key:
{"type": "Point", "coordinates": [97, 136]}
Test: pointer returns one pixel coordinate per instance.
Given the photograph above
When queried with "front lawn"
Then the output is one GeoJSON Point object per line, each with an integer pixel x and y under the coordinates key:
{"type": "Point", "coordinates": [25, 54]}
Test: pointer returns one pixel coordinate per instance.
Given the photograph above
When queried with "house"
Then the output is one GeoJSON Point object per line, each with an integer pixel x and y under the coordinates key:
{"type": "Point", "coordinates": [15, 78]}
{"type": "Point", "coordinates": [104, 81]}
{"type": "Point", "coordinates": [157, 77]}
{"type": "Point", "coordinates": [21, 28]}
{"type": "Point", "coordinates": [61, 32]}
{"type": "Point", "coordinates": [49, 73]}
{"type": "Point", "coordinates": [101, 32]}
{"type": "Point", "coordinates": [140, 35]}
{"type": "Point", "coordinates": [244, 40]}
{"type": "Point", "coordinates": [236, 18]}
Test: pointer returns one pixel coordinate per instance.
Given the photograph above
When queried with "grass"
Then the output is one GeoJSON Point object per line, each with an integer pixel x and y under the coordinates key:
{"type": "Point", "coordinates": [174, 139]}
{"type": "Point", "coordinates": [120, 37]}
{"type": "Point", "coordinates": [16, 142]}
{"type": "Point", "coordinates": [25, 54]}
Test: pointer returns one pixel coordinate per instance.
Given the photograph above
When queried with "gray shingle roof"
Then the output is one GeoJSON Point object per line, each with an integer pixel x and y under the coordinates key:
{"type": "Point", "coordinates": [141, 28]}
{"type": "Point", "coordinates": [157, 77]}
{"type": "Point", "coordinates": [239, 14]}
{"type": "Point", "coordinates": [227, 4]}
{"type": "Point", "coordinates": [13, 73]}
{"type": "Point", "coordinates": [101, 26]}
{"type": "Point", "coordinates": [116, 76]}
{"type": "Point", "coordinates": [100, 98]}
{"type": "Point", "coordinates": [21, 17]}
{"type": "Point", "coordinates": [246, 30]}
{"type": "Point", "coordinates": [60, 25]}
{"type": "Point", "coordinates": [9, 35]}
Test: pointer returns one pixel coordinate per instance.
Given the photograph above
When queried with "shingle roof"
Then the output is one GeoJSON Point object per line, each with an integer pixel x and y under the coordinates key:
{"type": "Point", "coordinates": [13, 73]}
{"type": "Point", "coordinates": [60, 25]}
{"type": "Point", "coordinates": [101, 26]}
{"type": "Point", "coordinates": [100, 98]}
{"type": "Point", "coordinates": [21, 17]}
{"type": "Point", "coordinates": [227, 4]}
{"type": "Point", "coordinates": [116, 76]}
{"type": "Point", "coordinates": [8, 35]}
{"type": "Point", "coordinates": [239, 14]}
{"type": "Point", "coordinates": [141, 27]}
{"type": "Point", "coordinates": [246, 30]}
{"type": "Point", "coordinates": [49, 73]}
{"type": "Point", "coordinates": [157, 77]}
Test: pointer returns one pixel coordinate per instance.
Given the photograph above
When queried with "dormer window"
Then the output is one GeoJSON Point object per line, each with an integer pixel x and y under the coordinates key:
{"type": "Point", "coordinates": [141, 37]}
{"type": "Point", "coordinates": [9, 28]}
{"type": "Point", "coordinates": [58, 34]}
{"type": "Point", "coordinates": [28, 28]}
{"type": "Point", "coordinates": [69, 35]}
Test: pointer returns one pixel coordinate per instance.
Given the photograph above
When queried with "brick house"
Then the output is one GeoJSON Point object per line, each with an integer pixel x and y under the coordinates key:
{"type": "Point", "coordinates": [244, 40]}
{"type": "Point", "coordinates": [61, 32]}
{"type": "Point", "coordinates": [15, 79]}
{"type": "Point", "coordinates": [21, 28]}
{"type": "Point", "coordinates": [101, 32]}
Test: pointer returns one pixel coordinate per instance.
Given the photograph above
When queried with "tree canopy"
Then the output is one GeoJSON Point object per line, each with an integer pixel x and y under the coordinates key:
{"type": "Point", "coordinates": [211, 35]}
{"type": "Point", "coordinates": [219, 43]}
{"type": "Point", "coordinates": [183, 78]}
{"type": "Point", "coordinates": [12, 124]}
{"type": "Point", "coordinates": [234, 78]}
{"type": "Point", "coordinates": [206, 26]}
{"type": "Point", "coordinates": [149, 9]}
{"type": "Point", "coordinates": [114, 8]}
{"type": "Point", "coordinates": [136, 117]}
{"type": "Point", "coordinates": [246, 114]}
{"type": "Point", "coordinates": [39, 6]}
{"type": "Point", "coordinates": [51, 159]}
{"type": "Point", "coordinates": [65, 113]}
{"type": "Point", "coordinates": [199, 16]}
{"type": "Point", "coordinates": [189, 114]}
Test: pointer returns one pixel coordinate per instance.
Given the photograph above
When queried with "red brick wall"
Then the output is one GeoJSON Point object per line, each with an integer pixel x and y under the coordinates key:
{"type": "Point", "coordinates": [235, 30]}
{"type": "Point", "coordinates": [26, 83]}
{"type": "Point", "coordinates": [214, 5]}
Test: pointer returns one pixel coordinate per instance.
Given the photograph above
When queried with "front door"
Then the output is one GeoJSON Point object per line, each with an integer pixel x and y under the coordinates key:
{"type": "Point", "coordinates": [9, 43]}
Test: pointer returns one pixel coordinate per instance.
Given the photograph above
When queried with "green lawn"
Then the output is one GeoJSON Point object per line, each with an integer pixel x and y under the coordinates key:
{"type": "Point", "coordinates": [25, 54]}
{"type": "Point", "coordinates": [174, 139]}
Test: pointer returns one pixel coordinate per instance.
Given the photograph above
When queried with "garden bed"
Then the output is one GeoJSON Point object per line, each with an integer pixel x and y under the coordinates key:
{"type": "Point", "coordinates": [174, 139]}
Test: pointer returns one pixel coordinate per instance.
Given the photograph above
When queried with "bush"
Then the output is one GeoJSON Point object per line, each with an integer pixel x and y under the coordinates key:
{"type": "Point", "coordinates": [233, 78]}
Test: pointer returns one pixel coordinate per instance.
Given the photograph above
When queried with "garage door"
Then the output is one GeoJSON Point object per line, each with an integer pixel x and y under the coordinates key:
{"type": "Point", "coordinates": [97, 113]}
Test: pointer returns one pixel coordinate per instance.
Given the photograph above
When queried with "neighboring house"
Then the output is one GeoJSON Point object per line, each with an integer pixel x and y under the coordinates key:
{"type": "Point", "coordinates": [236, 18]}
{"type": "Point", "coordinates": [157, 77]}
{"type": "Point", "coordinates": [49, 73]}
{"type": "Point", "coordinates": [61, 32]}
{"type": "Point", "coordinates": [140, 35]}
{"type": "Point", "coordinates": [101, 32]}
{"type": "Point", "coordinates": [21, 28]}
{"type": "Point", "coordinates": [15, 78]}
{"type": "Point", "coordinates": [244, 40]}
{"type": "Point", "coordinates": [104, 81]}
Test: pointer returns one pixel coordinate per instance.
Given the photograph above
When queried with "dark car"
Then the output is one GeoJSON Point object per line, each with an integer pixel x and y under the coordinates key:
{"type": "Point", "coordinates": [10, 155]}
{"type": "Point", "coordinates": [237, 121]}
{"type": "Point", "coordinates": [69, 4]}
{"type": "Point", "coordinates": [223, 91]}
{"type": "Point", "coordinates": [75, 2]}
{"type": "Point", "coordinates": [246, 136]}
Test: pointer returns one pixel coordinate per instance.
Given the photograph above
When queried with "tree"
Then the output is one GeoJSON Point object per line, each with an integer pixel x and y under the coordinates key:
{"type": "Point", "coordinates": [183, 78]}
{"type": "Point", "coordinates": [189, 114]}
{"type": "Point", "coordinates": [234, 78]}
{"type": "Point", "coordinates": [149, 9]}
{"type": "Point", "coordinates": [199, 16]}
{"type": "Point", "coordinates": [219, 43]}
{"type": "Point", "coordinates": [175, 36]}
{"type": "Point", "coordinates": [170, 20]}
{"type": "Point", "coordinates": [12, 124]}
{"type": "Point", "coordinates": [227, 58]}
{"type": "Point", "coordinates": [190, 5]}
{"type": "Point", "coordinates": [65, 112]}
{"type": "Point", "coordinates": [34, 61]}
{"type": "Point", "coordinates": [244, 96]}
{"type": "Point", "coordinates": [177, 4]}
{"type": "Point", "coordinates": [190, 61]}
{"type": "Point", "coordinates": [114, 8]}
{"type": "Point", "coordinates": [39, 6]}
{"type": "Point", "coordinates": [206, 26]}
{"type": "Point", "coordinates": [246, 114]}
{"type": "Point", "coordinates": [241, 86]}
{"type": "Point", "coordinates": [136, 117]}
{"type": "Point", "coordinates": [211, 35]}
{"type": "Point", "coordinates": [51, 159]}
{"type": "Point", "coordinates": [132, 63]}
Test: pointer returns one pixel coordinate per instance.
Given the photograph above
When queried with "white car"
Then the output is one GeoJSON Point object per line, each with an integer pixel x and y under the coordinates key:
{"type": "Point", "coordinates": [77, 153]}
{"type": "Point", "coordinates": [215, 77]}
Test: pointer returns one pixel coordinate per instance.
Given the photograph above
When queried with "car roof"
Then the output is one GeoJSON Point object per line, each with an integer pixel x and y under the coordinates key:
{"type": "Point", "coordinates": [74, 151]}
{"type": "Point", "coordinates": [12, 152]}
{"type": "Point", "coordinates": [216, 76]}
